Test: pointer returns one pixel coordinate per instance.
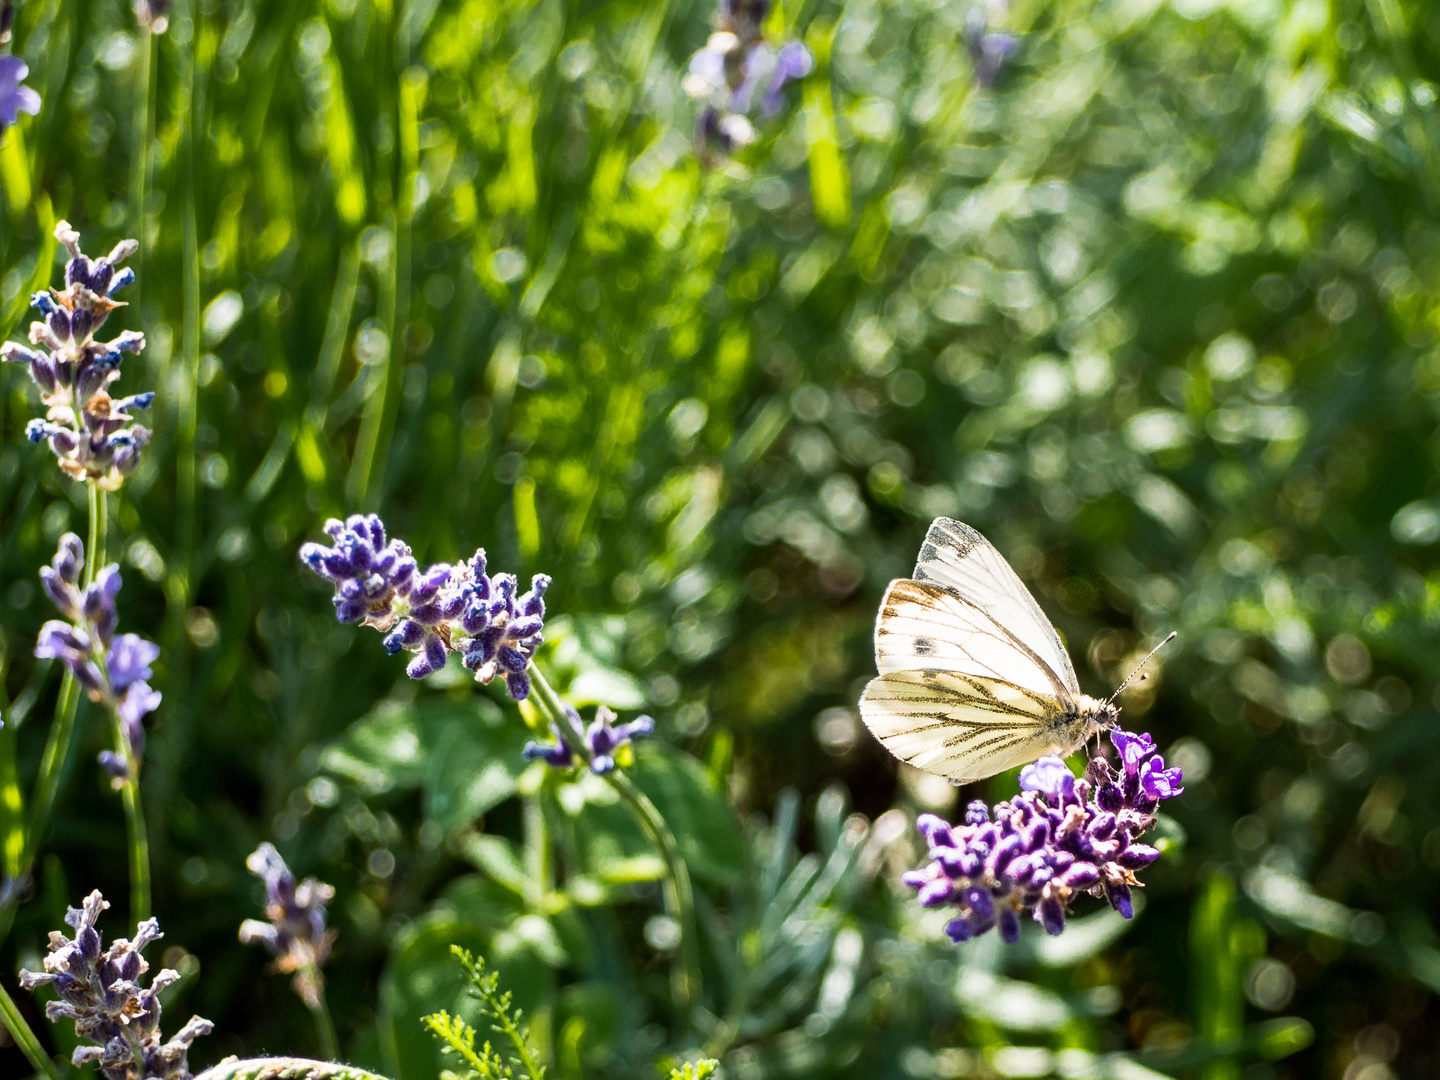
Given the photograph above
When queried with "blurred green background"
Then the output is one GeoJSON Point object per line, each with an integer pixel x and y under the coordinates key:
{"type": "Point", "coordinates": [1157, 312]}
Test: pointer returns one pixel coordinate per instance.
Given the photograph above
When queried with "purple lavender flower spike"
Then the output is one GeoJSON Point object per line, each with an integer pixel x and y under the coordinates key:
{"type": "Point", "coordinates": [112, 670]}
{"type": "Point", "coordinates": [794, 61]}
{"type": "Point", "coordinates": [1059, 837]}
{"type": "Point", "coordinates": [117, 1021]}
{"type": "Point", "coordinates": [989, 49]}
{"type": "Point", "coordinates": [726, 74]}
{"type": "Point", "coordinates": [89, 432]}
{"type": "Point", "coordinates": [295, 935]}
{"type": "Point", "coordinates": [445, 609]}
{"type": "Point", "coordinates": [15, 98]}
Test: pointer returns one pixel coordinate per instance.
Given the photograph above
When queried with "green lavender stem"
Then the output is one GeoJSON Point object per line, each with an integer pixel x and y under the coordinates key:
{"type": "Point", "coordinates": [138, 839]}
{"type": "Point", "coordinates": [57, 746]}
{"type": "Point", "coordinates": [25, 1038]}
{"type": "Point", "coordinates": [678, 894]}
{"type": "Point", "coordinates": [324, 1025]}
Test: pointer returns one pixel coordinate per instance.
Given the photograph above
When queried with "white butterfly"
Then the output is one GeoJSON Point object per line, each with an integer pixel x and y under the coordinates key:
{"type": "Point", "coordinates": [973, 677]}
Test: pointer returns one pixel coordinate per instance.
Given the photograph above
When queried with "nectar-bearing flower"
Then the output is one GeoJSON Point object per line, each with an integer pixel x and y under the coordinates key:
{"type": "Point", "coordinates": [91, 433]}
{"type": "Point", "coordinates": [602, 738]}
{"type": "Point", "coordinates": [15, 97]}
{"type": "Point", "coordinates": [432, 613]}
{"type": "Point", "coordinates": [739, 74]}
{"type": "Point", "coordinates": [99, 989]}
{"type": "Point", "coordinates": [113, 670]}
{"type": "Point", "coordinates": [295, 935]}
{"type": "Point", "coordinates": [1059, 837]}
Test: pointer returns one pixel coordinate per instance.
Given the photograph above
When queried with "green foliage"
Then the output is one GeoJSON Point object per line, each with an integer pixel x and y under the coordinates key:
{"type": "Point", "coordinates": [698, 1070]}
{"type": "Point", "coordinates": [504, 1019]}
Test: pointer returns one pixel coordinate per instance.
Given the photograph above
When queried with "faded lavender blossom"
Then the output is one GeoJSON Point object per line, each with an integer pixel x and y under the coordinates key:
{"type": "Point", "coordinates": [295, 935]}
{"type": "Point", "coordinates": [1060, 836]}
{"type": "Point", "coordinates": [602, 738]}
{"type": "Point", "coordinates": [100, 990]}
{"type": "Point", "coordinates": [445, 609]}
{"type": "Point", "coordinates": [153, 15]}
{"type": "Point", "coordinates": [989, 49]}
{"type": "Point", "coordinates": [112, 670]}
{"type": "Point", "coordinates": [735, 66]}
{"type": "Point", "coordinates": [86, 428]}
{"type": "Point", "coordinates": [15, 97]}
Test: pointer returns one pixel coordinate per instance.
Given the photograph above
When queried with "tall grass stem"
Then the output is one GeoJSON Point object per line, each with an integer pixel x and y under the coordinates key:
{"type": "Point", "coordinates": [25, 1038]}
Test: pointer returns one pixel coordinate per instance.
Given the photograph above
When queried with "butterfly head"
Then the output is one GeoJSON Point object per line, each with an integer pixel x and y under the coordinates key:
{"type": "Point", "coordinates": [1097, 715]}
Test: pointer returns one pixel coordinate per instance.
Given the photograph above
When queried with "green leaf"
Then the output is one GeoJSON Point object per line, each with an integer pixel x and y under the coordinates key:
{"type": "Point", "coordinates": [466, 756]}
{"type": "Point", "coordinates": [699, 815]}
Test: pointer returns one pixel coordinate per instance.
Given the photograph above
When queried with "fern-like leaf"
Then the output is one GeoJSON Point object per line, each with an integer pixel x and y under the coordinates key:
{"type": "Point", "coordinates": [698, 1070]}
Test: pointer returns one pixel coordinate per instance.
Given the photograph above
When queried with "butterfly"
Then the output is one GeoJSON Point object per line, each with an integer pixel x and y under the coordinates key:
{"type": "Point", "coordinates": [973, 678]}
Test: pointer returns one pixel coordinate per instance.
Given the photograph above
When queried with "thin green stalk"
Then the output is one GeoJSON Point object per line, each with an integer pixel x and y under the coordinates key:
{"type": "Point", "coordinates": [140, 163]}
{"type": "Point", "coordinates": [324, 1026]}
{"type": "Point", "coordinates": [95, 549]}
{"type": "Point", "coordinates": [62, 728]}
{"type": "Point", "coordinates": [139, 840]}
{"type": "Point", "coordinates": [678, 894]}
{"type": "Point", "coordinates": [24, 1037]}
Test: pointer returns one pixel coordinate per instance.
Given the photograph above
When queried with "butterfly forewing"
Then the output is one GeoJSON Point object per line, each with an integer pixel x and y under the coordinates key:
{"type": "Point", "coordinates": [923, 626]}
{"type": "Point", "coordinates": [957, 557]}
{"type": "Point", "coordinates": [963, 726]}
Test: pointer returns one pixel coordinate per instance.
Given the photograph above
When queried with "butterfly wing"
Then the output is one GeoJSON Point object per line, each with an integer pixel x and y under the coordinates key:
{"type": "Point", "coordinates": [957, 557]}
{"type": "Point", "coordinates": [964, 726]}
{"type": "Point", "coordinates": [922, 626]}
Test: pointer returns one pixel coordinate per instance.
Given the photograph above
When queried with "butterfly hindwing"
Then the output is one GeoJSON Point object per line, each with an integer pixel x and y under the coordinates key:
{"type": "Point", "coordinates": [925, 626]}
{"type": "Point", "coordinates": [964, 727]}
{"type": "Point", "coordinates": [958, 558]}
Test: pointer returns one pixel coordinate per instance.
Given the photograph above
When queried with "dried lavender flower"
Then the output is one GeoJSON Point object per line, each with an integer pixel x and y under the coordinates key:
{"type": "Point", "coordinates": [602, 738]}
{"type": "Point", "coordinates": [15, 97]}
{"type": "Point", "coordinates": [114, 671]}
{"type": "Point", "coordinates": [100, 990]}
{"type": "Point", "coordinates": [445, 609]}
{"type": "Point", "coordinates": [1059, 837]}
{"type": "Point", "coordinates": [89, 432]}
{"type": "Point", "coordinates": [295, 935]}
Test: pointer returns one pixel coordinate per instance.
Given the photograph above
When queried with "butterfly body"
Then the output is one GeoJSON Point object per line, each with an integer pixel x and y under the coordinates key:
{"type": "Point", "coordinates": [973, 677]}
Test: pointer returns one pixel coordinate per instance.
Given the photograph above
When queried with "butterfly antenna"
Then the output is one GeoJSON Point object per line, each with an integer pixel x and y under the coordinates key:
{"type": "Point", "coordinates": [1132, 676]}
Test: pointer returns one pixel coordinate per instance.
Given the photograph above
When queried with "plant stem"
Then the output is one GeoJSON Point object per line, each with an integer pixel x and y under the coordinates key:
{"type": "Point", "coordinates": [678, 894]}
{"type": "Point", "coordinates": [24, 1037]}
{"type": "Point", "coordinates": [62, 728]}
{"type": "Point", "coordinates": [139, 840]}
{"type": "Point", "coordinates": [324, 1026]}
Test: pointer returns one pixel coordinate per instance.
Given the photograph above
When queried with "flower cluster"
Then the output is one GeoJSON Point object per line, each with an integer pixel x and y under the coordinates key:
{"type": "Point", "coordinates": [295, 935]}
{"type": "Point", "coordinates": [1060, 836]}
{"type": "Point", "coordinates": [100, 990]}
{"type": "Point", "coordinates": [728, 73]}
{"type": "Point", "coordinates": [989, 49]}
{"type": "Point", "coordinates": [432, 613]}
{"type": "Point", "coordinates": [602, 738]}
{"type": "Point", "coordinates": [113, 670]}
{"type": "Point", "coordinates": [90, 432]}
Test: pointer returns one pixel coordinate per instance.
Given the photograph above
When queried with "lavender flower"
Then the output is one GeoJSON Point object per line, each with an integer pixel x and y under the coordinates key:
{"type": "Point", "coordinates": [112, 670]}
{"type": "Point", "coordinates": [295, 935]}
{"type": "Point", "coordinates": [735, 62]}
{"type": "Point", "coordinates": [15, 98]}
{"type": "Point", "coordinates": [85, 427]}
{"type": "Point", "coordinates": [602, 738]}
{"type": "Point", "coordinates": [100, 991]}
{"type": "Point", "coordinates": [1059, 837]}
{"type": "Point", "coordinates": [445, 609]}
{"type": "Point", "coordinates": [989, 49]}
